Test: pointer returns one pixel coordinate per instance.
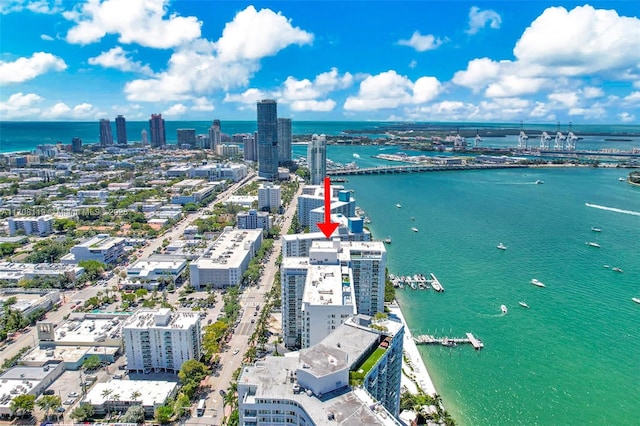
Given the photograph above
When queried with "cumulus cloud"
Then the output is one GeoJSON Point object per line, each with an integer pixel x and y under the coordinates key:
{"type": "Point", "coordinates": [591, 92]}
{"type": "Point", "coordinates": [479, 73]}
{"type": "Point", "coordinates": [175, 110]}
{"type": "Point", "coordinates": [249, 97]}
{"type": "Point", "coordinates": [421, 43]}
{"type": "Point", "coordinates": [567, 99]}
{"type": "Point", "coordinates": [202, 104]}
{"type": "Point", "coordinates": [514, 85]}
{"type": "Point", "coordinates": [625, 117]}
{"type": "Point", "coordinates": [632, 98]}
{"type": "Point", "coordinates": [117, 58]}
{"type": "Point", "coordinates": [46, 37]}
{"type": "Point", "coordinates": [24, 69]}
{"type": "Point", "coordinates": [313, 105]}
{"type": "Point", "coordinates": [20, 105]}
{"type": "Point", "coordinates": [391, 90]}
{"type": "Point", "coordinates": [144, 22]}
{"type": "Point", "coordinates": [62, 110]}
{"type": "Point", "coordinates": [36, 6]}
{"type": "Point", "coordinates": [478, 19]}
{"type": "Point", "coordinates": [253, 35]}
{"type": "Point", "coordinates": [304, 94]}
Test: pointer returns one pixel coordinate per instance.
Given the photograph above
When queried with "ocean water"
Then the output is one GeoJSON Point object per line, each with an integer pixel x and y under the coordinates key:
{"type": "Point", "coordinates": [574, 357]}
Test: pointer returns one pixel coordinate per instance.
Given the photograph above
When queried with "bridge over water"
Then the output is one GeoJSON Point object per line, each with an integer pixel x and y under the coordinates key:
{"type": "Point", "coordinates": [413, 168]}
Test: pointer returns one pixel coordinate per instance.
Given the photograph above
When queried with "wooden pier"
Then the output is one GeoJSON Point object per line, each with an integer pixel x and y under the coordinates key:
{"type": "Point", "coordinates": [428, 339]}
{"type": "Point", "coordinates": [416, 282]}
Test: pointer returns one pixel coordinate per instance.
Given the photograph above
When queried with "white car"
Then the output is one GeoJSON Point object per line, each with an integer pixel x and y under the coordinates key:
{"type": "Point", "coordinates": [69, 401]}
{"type": "Point", "coordinates": [72, 394]}
{"type": "Point", "coordinates": [235, 351]}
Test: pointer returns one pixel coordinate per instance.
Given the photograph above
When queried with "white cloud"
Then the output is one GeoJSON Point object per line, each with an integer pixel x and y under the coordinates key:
{"type": "Point", "coordinates": [413, 64]}
{"type": "Point", "coordinates": [24, 69]}
{"type": "Point", "coordinates": [202, 104]}
{"type": "Point", "coordinates": [421, 43]}
{"type": "Point", "coordinates": [593, 112]}
{"type": "Point", "coordinates": [81, 111]}
{"type": "Point", "coordinates": [144, 22]}
{"type": "Point", "coordinates": [253, 35]}
{"type": "Point", "coordinates": [566, 99]}
{"type": "Point", "coordinates": [20, 105]}
{"type": "Point", "coordinates": [445, 110]}
{"type": "Point", "coordinates": [479, 73]}
{"type": "Point", "coordinates": [540, 110]}
{"type": "Point", "coordinates": [117, 58]}
{"type": "Point", "coordinates": [591, 92]}
{"type": "Point", "coordinates": [175, 110]}
{"type": "Point", "coordinates": [249, 97]}
{"type": "Point", "coordinates": [313, 105]}
{"type": "Point", "coordinates": [36, 6]}
{"type": "Point", "coordinates": [625, 117]}
{"type": "Point", "coordinates": [391, 90]}
{"type": "Point", "coordinates": [581, 41]}
{"type": "Point", "coordinates": [478, 19]}
{"type": "Point", "coordinates": [632, 98]}
{"type": "Point", "coordinates": [513, 85]}
{"type": "Point", "coordinates": [46, 37]}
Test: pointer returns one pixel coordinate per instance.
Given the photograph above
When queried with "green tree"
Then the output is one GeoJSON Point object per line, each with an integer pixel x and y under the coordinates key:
{"type": "Point", "coordinates": [163, 414]}
{"type": "Point", "coordinates": [192, 371]}
{"type": "Point", "coordinates": [93, 269]}
{"type": "Point", "coordinates": [83, 412]}
{"type": "Point", "coordinates": [134, 414]}
{"type": "Point", "coordinates": [22, 405]}
{"type": "Point", "coordinates": [47, 403]}
{"type": "Point", "coordinates": [91, 363]}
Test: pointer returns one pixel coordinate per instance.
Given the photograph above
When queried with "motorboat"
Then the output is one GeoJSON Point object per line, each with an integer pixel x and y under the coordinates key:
{"type": "Point", "coordinates": [537, 283]}
{"type": "Point", "coordinates": [594, 229]}
{"type": "Point", "coordinates": [636, 299]}
{"type": "Point", "coordinates": [621, 179]}
{"type": "Point", "coordinates": [448, 342]}
{"type": "Point", "coordinates": [399, 205]}
{"type": "Point", "coordinates": [523, 304]}
{"type": "Point", "coordinates": [539, 182]}
{"type": "Point", "coordinates": [593, 244]}
{"type": "Point", "coordinates": [501, 246]}
{"type": "Point", "coordinates": [414, 229]}
{"type": "Point", "coordinates": [387, 240]}
{"type": "Point", "coordinates": [504, 309]}
{"type": "Point", "coordinates": [617, 269]}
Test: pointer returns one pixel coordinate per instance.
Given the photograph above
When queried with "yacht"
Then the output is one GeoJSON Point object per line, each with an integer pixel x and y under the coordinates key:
{"type": "Point", "coordinates": [448, 342]}
{"type": "Point", "coordinates": [593, 244]}
{"type": "Point", "coordinates": [537, 283]}
{"type": "Point", "coordinates": [387, 240]}
{"type": "Point", "coordinates": [636, 299]}
{"type": "Point", "coordinates": [504, 309]}
{"type": "Point", "coordinates": [501, 246]}
{"type": "Point", "coordinates": [523, 304]}
{"type": "Point", "coordinates": [539, 182]}
{"type": "Point", "coordinates": [399, 205]}
{"type": "Point", "coordinates": [621, 179]}
{"type": "Point", "coordinates": [414, 229]}
{"type": "Point", "coordinates": [594, 229]}
{"type": "Point", "coordinates": [617, 269]}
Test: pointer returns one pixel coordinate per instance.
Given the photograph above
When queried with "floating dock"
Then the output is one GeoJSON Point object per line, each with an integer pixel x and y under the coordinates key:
{"type": "Point", "coordinates": [427, 339]}
{"type": "Point", "coordinates": [416, 282]}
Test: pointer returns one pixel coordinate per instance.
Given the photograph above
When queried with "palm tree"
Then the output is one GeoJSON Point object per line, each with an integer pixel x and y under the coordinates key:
{"type": "Point", "coordinates": [48, 403]}
{"type": "Point", "coordinates": [23, 404]}
{"type": "Point", "coordinates": [106, 393]}
{"type": "Point", "coordinates": [135, 395]}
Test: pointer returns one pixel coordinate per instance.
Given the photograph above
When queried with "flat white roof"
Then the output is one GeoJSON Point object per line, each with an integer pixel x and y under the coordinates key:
{"type": "Point", "coordinates": [324, 286]}
{"type": "Point", "coordinates": [146, 319]}
{"type": "Point", "coordinates": [230, 249]}
{"type": "Point", "coordinates": [152, 392]}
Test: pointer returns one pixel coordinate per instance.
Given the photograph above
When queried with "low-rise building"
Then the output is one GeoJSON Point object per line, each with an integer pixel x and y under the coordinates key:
{"type": "Point", "coordinates": [156, 272]}
{"type": "Point", "coordinates": [118, 395]}
{"type": "Point", "coordinates": [41, 225]}
{"type": "Point", "coordinates": [254, 219]}
{"type": "Point", "coordinates": [102, 248]}
{"type": "Point", "coordinates": [14, 272]}
{"type": "Point", "coordinates": [22, 380]}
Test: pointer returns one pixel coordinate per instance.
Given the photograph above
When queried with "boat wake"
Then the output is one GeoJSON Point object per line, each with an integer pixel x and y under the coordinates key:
{"type": "Point", "coordinates": [612, 209]}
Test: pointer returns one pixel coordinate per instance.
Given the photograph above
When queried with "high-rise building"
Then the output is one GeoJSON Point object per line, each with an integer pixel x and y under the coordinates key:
{"type": "Point", "coordinates": [121, 130]}
{"type": "Point", "coordinates": [285, 140]}
{"type": "Point", "coordinates": [269, 197]}
{"type": "Point", "coordinates": [317, 158]}
{"type": "Point", "coordinates": [311, 205]}
{"type": "Point", "coordinates": [76, 144]}
{"type": "Point", "coordinates": [187, 137]}
{"type": "Point", "coordinates": [250, 148]}
{"type": "Point", "coordinates": [144, 137]}
{"type": "Point", "coordinates": [268, 139]}
{"type": "Point", "coordinates": [158, 135]}
{"type": "Point", "coordinates": [215, 135]}
{"type": "Point", "coordinates": [106, 135]}
{"type": "Point", "coordinates": [161, 340]}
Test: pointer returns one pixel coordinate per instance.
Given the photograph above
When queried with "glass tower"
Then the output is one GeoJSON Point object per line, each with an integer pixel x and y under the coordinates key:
{"type": "Point", "coordinates": [268, 139]}
{"type": "Point", "coordinates": [121, 130]}
{"type": "Point", "coordinates": [158, 135]}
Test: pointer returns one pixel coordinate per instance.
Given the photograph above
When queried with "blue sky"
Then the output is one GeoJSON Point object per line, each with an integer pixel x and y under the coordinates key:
{"type": "Point", "coordinates": [321, 60]}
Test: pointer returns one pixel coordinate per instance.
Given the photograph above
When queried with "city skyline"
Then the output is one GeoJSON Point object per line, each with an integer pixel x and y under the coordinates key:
{"type": "Point", "coordinates": [470, 61]}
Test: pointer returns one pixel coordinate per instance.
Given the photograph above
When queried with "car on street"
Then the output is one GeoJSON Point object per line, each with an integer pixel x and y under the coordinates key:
{"type": "Point", "coordinates": [235, 351]}
{"type": "Point", "coordinates": [69, 401]}
{"type": "Point", "coordinates": [72, 394]}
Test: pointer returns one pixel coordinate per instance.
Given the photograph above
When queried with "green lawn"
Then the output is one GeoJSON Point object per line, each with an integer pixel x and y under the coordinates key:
{"type": "Point", "coordinates": [368, 364]}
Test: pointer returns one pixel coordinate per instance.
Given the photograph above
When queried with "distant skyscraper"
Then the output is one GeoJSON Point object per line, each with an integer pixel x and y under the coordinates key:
{"type": "Point", "coordinates": [250, 147]}
{"type": "Point", "coordinates": [187, 137]}
{"type": "Point", "coordinates": [215, 135]}
{"type": "Point", "coordinates": [284, 140]}
{"type": "Point", "coordinates": [144, 137]}
{"type": "Point", "coordinates": [106, 136]}
{"type": "Point", "coordinates": [268, 139]}
{"type": "Point", "coordinates": [158, 135]}
{"type": "Point", "coordinates": [317, 158]}
{"type": "Point", "coordinates": [121, 130]}
{"type": "Point", "coordinates": [76, 144]}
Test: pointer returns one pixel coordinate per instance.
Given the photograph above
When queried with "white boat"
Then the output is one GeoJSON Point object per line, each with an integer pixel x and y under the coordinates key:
{"type": "Point", "coordinates": [501, 246]}
{"type": "Point", "coordinates": [537, 283]}
{"type": "Point", "coordinates": [621, 179]}
{"type": "Point", "coordinates": [414, 229]}
{"type": "Point", "coordinates": [504, 309]}
{"type": "Point", "coordinates": [617, 269]}
{"type": "Point", "coordinates": [594, 229]}
{"type": "Point", "coordinates": [523, 304]}
{"type": "Point", "coordinates": [387, 240]}
{"type": "Point", "coordinates": [399, 206]}
{"type": "Point", "coordinates": [593, 244]}
{"type": "Point", "coordinates": [636, 299]}
{"type": "Point", "coordinates": [539, 182]}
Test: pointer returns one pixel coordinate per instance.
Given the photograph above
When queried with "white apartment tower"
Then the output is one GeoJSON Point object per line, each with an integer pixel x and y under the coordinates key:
{"type": "Point", "coordinates": [269, 197]}
{"type": "Point", "coordinates": [317, 158]}
{"type": "Point", "coordinates": [161, 340]}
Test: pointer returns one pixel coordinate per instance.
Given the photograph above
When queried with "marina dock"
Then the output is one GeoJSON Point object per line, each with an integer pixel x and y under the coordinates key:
{"type": "Point", "coordinates": [428, 339]}
{"type": "Point", "coordinates": [416, 282]}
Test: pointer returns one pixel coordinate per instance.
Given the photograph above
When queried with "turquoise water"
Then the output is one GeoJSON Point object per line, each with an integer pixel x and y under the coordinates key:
{"type": "Point", "coordinates": [574, 357]}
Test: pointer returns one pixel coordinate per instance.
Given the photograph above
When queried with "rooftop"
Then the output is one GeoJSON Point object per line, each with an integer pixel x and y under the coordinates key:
{"type": "Point", "coordinates": [230, 249]}
{"type": "Point", "coordinates": [162, 319]}
{"type": "Point", "coordinates": [151, 391]}
{"type": "Point", "coordinates": [324, 286]}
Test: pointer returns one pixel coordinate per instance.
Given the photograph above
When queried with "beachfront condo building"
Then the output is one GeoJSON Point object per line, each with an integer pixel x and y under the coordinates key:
{"type": "Point", "coordinates": [267, 139]}
{"type": "Point", "coordinates": [161, 340]}
{"type": "Point", "coordinates": [360, 281]}
{"type": "Point", "coordinates": [311, 205]}
{"type": "Point", "coordinates": [186, 137]}
{"type": "Point", "coordinates": [121, 130]}
{"type": "Point", "coordinates": [269, 197]}
{"type": "Point", "coordinates": [285, 139]}
{"type": "Point", "coordinates": [215, 135]}
{"type": "Point", "coordinates": [317, 158]}
{"type": "Point", "coordinates": [106, 135]}
{"type": "Point", "coordinates": [314, 386]}
{"type": "Point", "coordinates": [158, 134]}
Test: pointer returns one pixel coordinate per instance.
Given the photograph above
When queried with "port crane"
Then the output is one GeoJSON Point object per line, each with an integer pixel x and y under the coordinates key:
{"type": "Point", "coordinates": [560, 138]}
{"type": "Point", "coordinates": [571, 139]}
{"type": "Point", "coordinates": [544, 140]}
{"type": "Point", "coordinates": [522, 138]}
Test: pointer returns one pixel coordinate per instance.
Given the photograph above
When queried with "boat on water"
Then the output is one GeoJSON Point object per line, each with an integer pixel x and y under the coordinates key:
{"type": "Point", "coordinates": [617, 269]}
{"type": "Point", "coordinates": [606, 266]}
{"type": "Point", "coordinates": [501, 246]}
{"type": "Point", "coordinates": [387, 240]}
{"type": "Point", "coordinates": [594, 229]}
{"type": "Point", "coordinates": [621, 179]}
{"type": "Point", "coordinates": [414, 229]}
{"type": "Point", "coordinates": [539, 182]}
{"type": "Point", "coordinates": [523, 304]}
{"type": "Point", "coordinates": [593, 244]}
{"type": "Point", "coordinates": [399, 205]}
{"type": "Point", "coordinates": [448, 342]}
{"type": "Point", "coordinates": [504, 309]}
{"type": "Point", "coordinates": [537, 283]}
{"type": "Point", "coordinates": [636, 299]}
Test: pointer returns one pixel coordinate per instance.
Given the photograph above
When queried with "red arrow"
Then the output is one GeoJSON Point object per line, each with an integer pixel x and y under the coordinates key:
{"type": "Point", "coordinates": [327, 227]}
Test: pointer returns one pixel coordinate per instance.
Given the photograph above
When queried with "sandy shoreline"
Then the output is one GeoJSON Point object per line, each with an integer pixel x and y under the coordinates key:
{"type": "Point", "coordinates": [415, 363]}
